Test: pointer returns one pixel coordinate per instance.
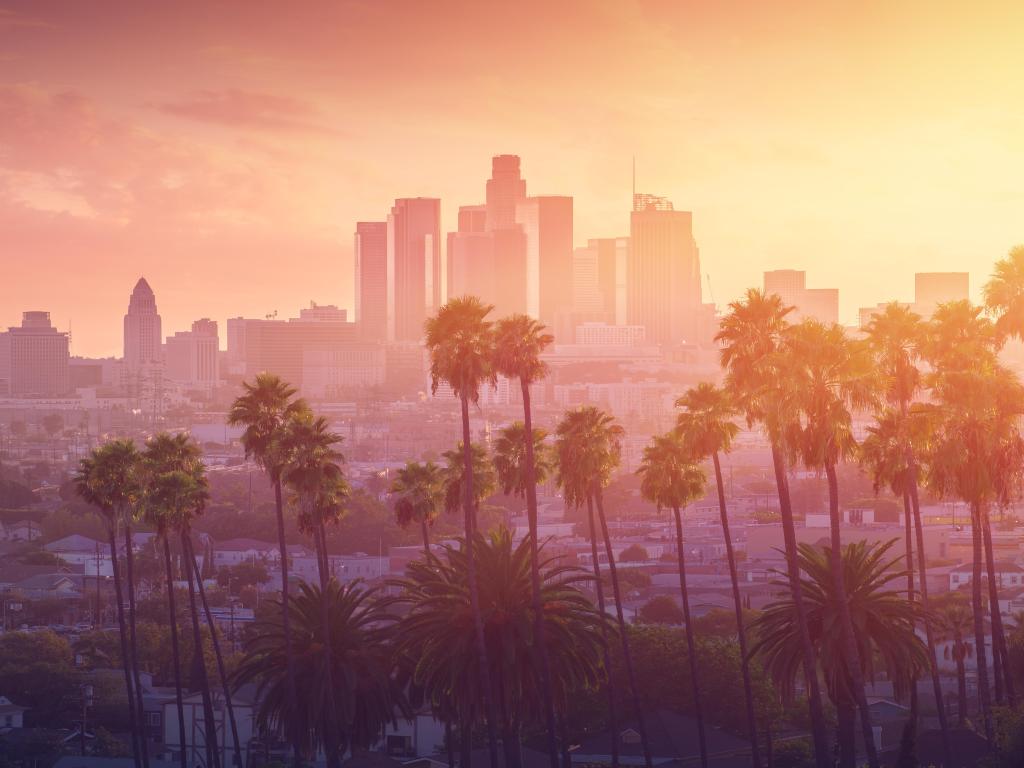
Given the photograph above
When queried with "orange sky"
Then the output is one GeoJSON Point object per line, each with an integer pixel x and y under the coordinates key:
{"type": "Point", "coordinates": [225, 149]}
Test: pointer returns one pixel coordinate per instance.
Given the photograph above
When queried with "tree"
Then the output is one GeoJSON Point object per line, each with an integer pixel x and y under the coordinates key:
{"type": "Point", "coordinates": [519, 342]}
{"type": "Point", "coordinates": [434, 634]}
{"type": "Point", "coordinates": [883, 622]}
{"type": "Point", "coordinates": [106, 479]}
{"type": "Point", "coordinates": [314, 473]}
{"type": "Point", "coordinates": [634, 553]}
{"type": "Point", "coordinates": [707, 427]}
{"type": "Point", "coordinates": [750, 336]}
{"type": "Point", "coordinates": [953, 621]}
{"type": "Point", "coordinates": [589, 445]}
{"type": "Point", "coordinates": [367, 694]}
{"type": "Point", "coordinates": [827, 377]}
{"type": "Point", "coordinates": [661, 609]}
{"type": "Point", "coordinates": [460, 340]}
{"type": "Point", "coordinates": [1004, 293]}
{"type": "Point", "coordinates": [670, 480]}
{"type": "Point", "coordinates": [418, 490]}
{"type": "Point", "coordinates": [263, 410]}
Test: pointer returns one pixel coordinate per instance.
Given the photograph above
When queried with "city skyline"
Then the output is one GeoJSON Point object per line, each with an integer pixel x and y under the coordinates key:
{"type": "Point", "coordinates": [228, 164]}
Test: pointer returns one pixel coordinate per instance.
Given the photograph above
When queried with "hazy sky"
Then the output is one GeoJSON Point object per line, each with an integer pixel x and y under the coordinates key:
{"type": "Point", "coordinates": [225, 149]}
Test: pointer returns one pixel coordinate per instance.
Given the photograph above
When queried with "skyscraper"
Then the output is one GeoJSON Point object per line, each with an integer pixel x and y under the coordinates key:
{"type": "Point", "coordinates": [934, 288]}
{"type": "Point", "coordinates": [34, 358]}
{"type": "Point", "coordinates": [546, 222]}
{"type": "Point", "coordinates": [599, 278]}
{"type": "Point", "coordinates": [193, 357]}
{"type": "Point", "coordinates": [664, 292]}
{"type": "Point", "coordinates": [505, 189]}
{"type": "Point", "coordinates": [141, 328]}
{"type": "Point", "coordinates": [790, 285]}
{"type": "Point", "coordinates": [371, 293]}
{"type": "Point", "coordinates": [413, 266]}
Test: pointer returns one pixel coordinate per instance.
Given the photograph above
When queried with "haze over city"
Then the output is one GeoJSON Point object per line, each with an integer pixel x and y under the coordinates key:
{"type": "Point", "coordinates": [227, 156]}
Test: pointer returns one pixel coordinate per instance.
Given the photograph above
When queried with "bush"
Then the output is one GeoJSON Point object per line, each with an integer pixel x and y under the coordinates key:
{"type": "Point", "coordinates": [661, 610]}
{"type": "Point", "coordinates": [634, 553]}
{"type": "Point", "coordinates": [793, 753]}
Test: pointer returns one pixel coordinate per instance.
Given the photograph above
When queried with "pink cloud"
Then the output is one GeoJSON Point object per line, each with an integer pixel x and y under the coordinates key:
{"type": "Point", "coordinates": [248, 109]}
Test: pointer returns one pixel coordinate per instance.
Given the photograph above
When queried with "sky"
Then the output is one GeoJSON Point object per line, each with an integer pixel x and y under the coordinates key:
{"type": "Point", "coordinates": [225, 150]}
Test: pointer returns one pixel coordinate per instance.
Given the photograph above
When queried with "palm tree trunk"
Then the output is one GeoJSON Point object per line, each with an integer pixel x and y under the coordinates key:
{"type": "Point", "coordinates": [849, 642]}
{"type": "Point", "coordinates": [929, 630]}
{"type": "Point", "coordinates": [465, 744]}
{"type": "Point", "coordinates": [846, 733]}
{"type": "Point", "coordinates": [961, 678]}
{"type": "Point", "coordinates": [129, 558]}
{"type": "Point", "coordinates": [448, 746]}
{"type": "Point", "coordinates": [909, 537]}
{"type": "Point", "coordinates": [538, 613]}
{"type": "Point", "coordinates": [627, 657]}
{"type": "Point", "coordinates": [474, 587]}
{"type": "Point", "coordinates": [220, 659]}
{"type": "Point", "coordinates": [210, 731]}
{"type": "Point", "coordinates": [1000, 656]}
{"type": "Point", "coordinates": [125, 650]}
{"type": "Point", "coordinates": [691, 645]}
{"type": "Point", "coordinates": [613, 723]}
{"type": "Point", "coordinates": [425, 532]}
{"type": "Point", "coordinates": [563, 735]}
{"type": "Point", "coordinates": [282, 546]}
{"type": "Point", "coordinates": [748, 691]}
{"type": "Point", "coordinates": [819, 732]}
{"type": "Point", "coordinates": [330, 736]}
{"type": "Point", "coordinates": [984, 695]}
{"type": "Point", "coordinates": [175, 652]}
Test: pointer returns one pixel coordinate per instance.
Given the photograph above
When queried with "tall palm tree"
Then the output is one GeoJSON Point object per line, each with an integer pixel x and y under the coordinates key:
{"type": "Point", "coordinates": [707, 427]}
{"type": "Point", "coordinates": [460, 340]}
{"type": "Point", "coordinates": [106, 479]}
{"type": "Point", "coordinates": [589, 451]}
{"type": "Point", "coordinates": [671, 479]}
{"type": "Point", "coordinates": [1004, 293]}
{"type": "Point", "coordinates": [483, 480]}
{"type": "Point", "coordinates": [750, 336]}
{"type": "Point", "coordinates": [884, 624]}
{"type": "Point", "coordinates": [419, 495]}
{"type": "Point", "coordinates": [312, 471]}
{"type": "Point", "coordinates": [954, 622]}
{"type": "Point", "coordinates": [433, 632]}
{"type": "Point", "coordinates": [895, 337]}
{"type": "Point", "coordinates": [519, 342]}
{"type": "Point", "coordinates": [827, 377]}
{"type": "Point", "coordinates": [175, 491]}
{"type": "Point", "coordinates": [263, 410]}
{"type": "Point", "coordinates": [367, 694]}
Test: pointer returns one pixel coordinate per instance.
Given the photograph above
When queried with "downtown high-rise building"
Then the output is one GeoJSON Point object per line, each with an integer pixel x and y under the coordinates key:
{"type": "Point", "coordinates": [193, 357]}
{"type": "Point", "coordinates": [790, 285]}
{"type": "Point", "coordinates": [546, 222]}
{"type": "Point", "coordinates": [371, 289]}
{"type": "Point", "coordinates": [664, 289]}
{"type": "Point", "coordinates": [142, 339]}
{"type": "Point", "coordinates": [934, 288]}
{"type": "Point", "coordinates": [34, 358]}
{"type": "Point", "coordinates": [599, 279]}
{"type": "Point", "coordinates": [505, 189]}
{"type": "Point", "coordinates": [413, 278]}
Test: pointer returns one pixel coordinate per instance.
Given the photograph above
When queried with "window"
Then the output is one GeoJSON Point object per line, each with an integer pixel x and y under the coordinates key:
{"type": "Point", "coordinates": [9, 721]}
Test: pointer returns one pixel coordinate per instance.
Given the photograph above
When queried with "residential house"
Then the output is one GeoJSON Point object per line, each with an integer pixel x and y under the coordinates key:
{"type": "Point", "coordinates": [11, 715]}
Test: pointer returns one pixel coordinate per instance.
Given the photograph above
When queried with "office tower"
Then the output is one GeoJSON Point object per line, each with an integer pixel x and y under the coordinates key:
{"type": "Point", "coordinates": [546, 223]}
{"type": "Point", "coordinates": [141, 328]}
{"type": "Point", "coordinates": [371, 289]}
{"type": "Point", "coordinates": [934, 288]}
{"type": "Point", "coordinates": [664, 292]}
{"type": "Point", "coordinates": [34, 358]}
{"type": "Point", "coordinates": [790, 285]}
{"type": "Point", "coordinates": [505, 189]}
{"type": "Point", "coordinates": [473, 218]}
{"type": "Point", "coordinates": [599, 278]}
{"type": "Point", "coordinates": [281, 346]}
{"type": "Point", "coordinates": [414, 266]}
{"type": "Point", "coordinates": [193, 357]}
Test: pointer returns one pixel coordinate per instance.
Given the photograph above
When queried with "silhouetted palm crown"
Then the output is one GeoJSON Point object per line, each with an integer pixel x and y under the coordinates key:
{"type": "Point", "coordinates": [461, 344]}
{"type": "Point", "coordinates": [668, 477]}
{"type": "Point", "coordinates": [519, 341]}
{"type": "Point", "coordinates": [510, 458]}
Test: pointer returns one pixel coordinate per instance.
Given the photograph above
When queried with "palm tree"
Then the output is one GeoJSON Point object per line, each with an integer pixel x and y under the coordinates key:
{"type": "Point", "coordinates": [483, 482]}
{"type": "Point", "coordinates": [827, 377]}
{"type": "Point", "coordinates": [106, 479]}
{"type": "Point", "coordinates": [434, 633]}
{"type": "Point", "coordinates": [460, 340]}
{"type": "Point", "coordinates": [519, 342]}
{"type": "Point", "coordinates": [671, 479]}
{"type": "Point", "coordinates": [895, 337]}
{"type": "Point", "coordinates": [367, 693]}
{"type": "Point", "coordinates": [1004, 293]}
{"type": "Point", "coordinates": [953, 622]}
{"type": "Point", "coordinates": [264, 409]}
{"type": "Point", "coordinates": [883, 621]}
{"type": "Point", "coordinates": [707, 427]}
{"type": "Point", "coordinates": [750, 336]}
{"type": "Point", "coordinates": [312, 471]}
{"type": "Point", "coordinates": [419, 492]}
{"type": "Point", "coordinates": [176, 491]}
{"type": "Point", "coordinates": [589, 451]}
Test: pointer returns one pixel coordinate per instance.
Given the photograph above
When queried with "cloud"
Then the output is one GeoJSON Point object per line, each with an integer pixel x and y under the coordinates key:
{"type": "Point", "coordinates": [10, 19]}
{"type": "Point", "coordinates": [249, 109]}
